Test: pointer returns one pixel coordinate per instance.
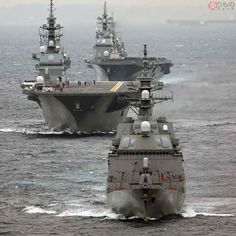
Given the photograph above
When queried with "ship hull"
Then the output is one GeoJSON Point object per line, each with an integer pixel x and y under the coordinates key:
{"type": "Point", "coordinates": [126, 71]}
{"type": "Point", "coordinates": [82, 106]}
{"type": "Point", "coordinates": [92, 114]}
{"type": "Point", "coordinates": [131, 203]}
{"type": "Point", "coordinates": [116, 72]}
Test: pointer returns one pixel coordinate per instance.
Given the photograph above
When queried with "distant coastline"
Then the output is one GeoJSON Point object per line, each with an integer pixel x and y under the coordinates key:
{"type": "Point", "coordinates": [200, 22]}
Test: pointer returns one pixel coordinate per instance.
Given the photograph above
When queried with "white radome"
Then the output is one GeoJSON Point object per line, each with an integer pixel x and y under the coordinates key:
{"type": "Point", "coordinates": [106, 53]}
{"type": "Point", "coordinates": [40, 80]}
{"type": "Point", "coordinates": [145, 94]}
{"type": "Point", "coordinates": [145, 126]}
{"type": "Point", "coordinates": [42, 49]}
{"type": "Point", "coordinates": [165, 127]}
{"type": "Point", "coordinates": [51, 43]}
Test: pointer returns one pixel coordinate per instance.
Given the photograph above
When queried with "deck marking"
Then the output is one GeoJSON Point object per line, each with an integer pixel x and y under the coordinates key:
{"type": "Point", "coordinates": [116, 86]}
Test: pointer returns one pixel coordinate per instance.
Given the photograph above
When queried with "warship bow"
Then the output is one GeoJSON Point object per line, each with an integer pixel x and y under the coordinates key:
{"type": "Point", "coordinates": [145, 173]}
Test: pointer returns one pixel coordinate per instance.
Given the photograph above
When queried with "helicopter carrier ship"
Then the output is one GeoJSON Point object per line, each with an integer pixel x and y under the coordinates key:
{"type": "Point", "coordinates": [86, 106]}
{"type": "Point", "coordinates": [145, 173]}
{"type": "Point", "coordinates": [111, 61]}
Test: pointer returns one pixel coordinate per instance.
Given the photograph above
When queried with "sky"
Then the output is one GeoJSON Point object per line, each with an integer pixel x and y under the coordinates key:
{"type": "Point", "coordinates": [10, 3]}
{"type": "Point", "coordinates": [84, 12]}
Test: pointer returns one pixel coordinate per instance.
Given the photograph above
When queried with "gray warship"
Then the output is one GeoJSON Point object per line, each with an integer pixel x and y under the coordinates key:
{"type": "Point", "coordinates": [85, 106]}
{"type": "Point", "coordinates": [145, 173]}
{"type": "Point", "coordinates": [111, 61]}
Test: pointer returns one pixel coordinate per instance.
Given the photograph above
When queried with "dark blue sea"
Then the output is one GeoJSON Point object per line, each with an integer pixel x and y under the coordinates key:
{"type": "Point", "coordinates": [53, 183]}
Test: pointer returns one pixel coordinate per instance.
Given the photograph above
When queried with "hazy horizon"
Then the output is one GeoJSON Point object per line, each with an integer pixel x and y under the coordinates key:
{"type": "Point", "coordinates": [134, 12]}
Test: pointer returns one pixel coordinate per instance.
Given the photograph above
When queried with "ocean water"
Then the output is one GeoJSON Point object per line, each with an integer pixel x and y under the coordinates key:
{"type": "Point", "coordinates": [54, 182]}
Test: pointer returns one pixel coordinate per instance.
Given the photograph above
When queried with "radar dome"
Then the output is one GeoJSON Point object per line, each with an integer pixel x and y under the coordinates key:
{"type": "Point", "coordinates": [40, 80]}
{"type": "Point", "coordinates": [50, 58]}
{"type": "Point", "coordinates": [106, 53]}
{"type": "Point", "coordinates": [145, 94]}
{"type": "Point", "coordinates": [51, 43]}
{"type": "Point", "coordinates": [42, 49]}
{"type": "Point", "coordinates": [65, 55]}
{"type": "Point", "coordinates": [165, 127]}
{"type": "Point", "coordinates": [145, 126]}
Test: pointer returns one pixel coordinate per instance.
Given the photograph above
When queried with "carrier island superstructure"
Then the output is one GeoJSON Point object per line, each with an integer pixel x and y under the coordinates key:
{"type": "Point", "coordinates": [51, 57]}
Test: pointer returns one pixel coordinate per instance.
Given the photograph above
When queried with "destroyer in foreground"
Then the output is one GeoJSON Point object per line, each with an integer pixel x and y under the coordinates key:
{"type": "Point", "coordinates": [74, 106]}
{"type": "Point", "coordinates": [145, 173]}
{"type": "Point", "coordinates": [111, 62]}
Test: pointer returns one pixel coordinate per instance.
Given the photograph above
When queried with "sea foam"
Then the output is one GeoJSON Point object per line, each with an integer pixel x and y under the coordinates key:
{"type": "Point", "coordinates": [38, 210]}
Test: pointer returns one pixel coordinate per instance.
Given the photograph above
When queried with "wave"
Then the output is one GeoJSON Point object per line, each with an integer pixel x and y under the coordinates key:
{"type": "Point", "coordinates": [50, 132]}
{"type": "Point", "coordinates": [202, 123]}
{"type": "Point", "coordinates": [96, 206]}
{"type": "Point", "coordinates": [27, 131]}
{"type": "Point", "coordinates": [173, 80]}
{"type": "Point", "coordinates": [106, 213]}
{"type": "Point", "coordinates": [221, 124]}
{"type": "Point", "coordinates": [179, 45]}
{"type": "Point", "coordinates": [38, 210]}
{"type": "Point", "coordinates": [190, 213]}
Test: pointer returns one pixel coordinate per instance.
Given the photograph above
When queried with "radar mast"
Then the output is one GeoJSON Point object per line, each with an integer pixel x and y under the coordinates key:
{"type": "Point", "coordinates": [144, 103]}
{"type": "Point", "coordinates": [50, 33]}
